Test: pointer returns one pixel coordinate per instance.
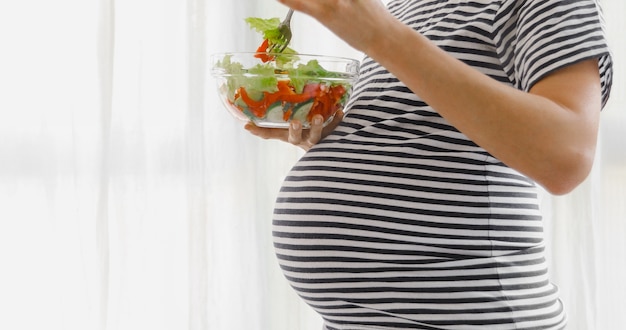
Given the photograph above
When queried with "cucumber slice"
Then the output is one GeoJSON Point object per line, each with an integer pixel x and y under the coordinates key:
{"type": "Point", "coordinates": [275, 113]}
{"type": "Point", "coordinates": [249, 114]}
{"type": "Point", "coordinates": [301, 111]}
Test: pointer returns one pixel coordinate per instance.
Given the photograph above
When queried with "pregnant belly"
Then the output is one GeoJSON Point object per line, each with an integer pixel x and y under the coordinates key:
{"type": "Point", "coordinates": [368, 241]}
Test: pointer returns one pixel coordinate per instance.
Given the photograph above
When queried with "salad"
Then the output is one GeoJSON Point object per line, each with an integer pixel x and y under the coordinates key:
{"type": "Point", "coordinates": [276, 88]}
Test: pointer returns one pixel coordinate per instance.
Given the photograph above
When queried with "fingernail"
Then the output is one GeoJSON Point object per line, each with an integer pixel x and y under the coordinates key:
{"type": "Point", "coordinates": [317, 120]}
{"type": "Point", "coordinates": [295, 125]}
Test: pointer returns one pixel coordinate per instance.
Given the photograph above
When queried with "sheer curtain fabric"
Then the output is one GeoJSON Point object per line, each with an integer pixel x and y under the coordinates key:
{"type": "Point", "coordinates": [130, 199]}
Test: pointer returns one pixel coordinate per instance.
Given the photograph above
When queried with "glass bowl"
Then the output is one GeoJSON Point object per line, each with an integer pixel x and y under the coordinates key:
{"type": "Point", "coordinates": [270, 90]}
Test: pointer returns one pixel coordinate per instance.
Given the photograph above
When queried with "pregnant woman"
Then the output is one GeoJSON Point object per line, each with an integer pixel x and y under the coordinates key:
{"type": "Point", "coordinates": [419, 208]}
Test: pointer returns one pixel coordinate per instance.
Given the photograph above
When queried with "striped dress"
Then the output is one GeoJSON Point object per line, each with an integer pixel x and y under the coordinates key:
{"type": "Point", "coordinates": [399, 221]}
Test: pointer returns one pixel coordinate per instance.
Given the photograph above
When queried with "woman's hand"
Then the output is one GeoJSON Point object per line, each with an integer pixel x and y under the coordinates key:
{"type": "Point", "coordinates": [296, 135]}
{"type": "Point", "coordinates": [359, 23]}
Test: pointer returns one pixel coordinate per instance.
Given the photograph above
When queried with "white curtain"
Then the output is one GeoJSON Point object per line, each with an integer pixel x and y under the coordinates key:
{"type": "Point", "coordinates": [130, 199]}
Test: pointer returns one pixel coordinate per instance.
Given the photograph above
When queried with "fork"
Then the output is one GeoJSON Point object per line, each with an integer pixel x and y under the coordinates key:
{"type": "Point", "coordinates": [285, 35]}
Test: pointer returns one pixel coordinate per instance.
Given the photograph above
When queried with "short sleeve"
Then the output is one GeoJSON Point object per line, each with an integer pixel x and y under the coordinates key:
{"type": "Point", "coordinates": [535, 38]}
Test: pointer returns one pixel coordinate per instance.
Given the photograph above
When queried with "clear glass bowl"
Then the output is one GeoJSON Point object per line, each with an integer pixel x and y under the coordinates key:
{"type": "Point", "coordinates": [283, 88]}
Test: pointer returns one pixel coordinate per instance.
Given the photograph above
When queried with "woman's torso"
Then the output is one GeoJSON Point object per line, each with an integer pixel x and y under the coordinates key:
{"type": "Point", "coordinates": [397, 220]}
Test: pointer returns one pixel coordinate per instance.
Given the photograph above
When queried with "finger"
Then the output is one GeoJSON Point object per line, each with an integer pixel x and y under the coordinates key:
{"type": "Point", "coordinates": [267, 133]}
{"type": "Point", "coordinates": [299, 5]}
{"type": "Point", "coordinates": [315, 133]}
{"type": "Point", "coordinates": [333, 123]}
{"type": "Point", "coordinates": [295, 133]}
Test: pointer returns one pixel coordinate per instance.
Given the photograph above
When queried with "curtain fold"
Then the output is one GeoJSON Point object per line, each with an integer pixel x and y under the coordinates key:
{"type": "Point", "coordinates": [106, 42]}
{"type": "Point", "coordinates": [130, 198]}
{"type": "Point", "coordinates": [197, 185]}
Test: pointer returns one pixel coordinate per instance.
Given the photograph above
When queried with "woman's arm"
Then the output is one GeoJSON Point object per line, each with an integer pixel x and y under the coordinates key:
{"type": "Point", "coordinates": [548, 134]}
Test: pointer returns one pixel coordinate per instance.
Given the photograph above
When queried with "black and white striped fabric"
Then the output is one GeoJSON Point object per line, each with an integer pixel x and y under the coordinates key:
{"type": "Point", "coordinates": [398, 221]}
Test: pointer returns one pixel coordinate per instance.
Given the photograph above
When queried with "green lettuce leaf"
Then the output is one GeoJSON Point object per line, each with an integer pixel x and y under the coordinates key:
{"type": "Point", "coordinates": [256, 80]}
{"type": "Point", "coordinates": [234, 75]}
{"type": "Point", "coordinates": [267, 27]}
{"type": "Point", "coordinates": [310, 72]}
{"type": "Point", "coordinates": [264, 79]}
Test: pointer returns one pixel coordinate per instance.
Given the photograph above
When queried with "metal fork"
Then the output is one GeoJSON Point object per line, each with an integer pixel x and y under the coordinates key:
{"type": "Point", "coordinates": [285, 35]}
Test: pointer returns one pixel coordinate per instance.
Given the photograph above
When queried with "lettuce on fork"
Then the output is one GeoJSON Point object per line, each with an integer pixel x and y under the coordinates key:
{"type": "Point", "coordinates": [268, 27]}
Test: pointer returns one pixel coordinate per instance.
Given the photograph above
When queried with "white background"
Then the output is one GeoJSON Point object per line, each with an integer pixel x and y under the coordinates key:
{"type": "Point", "coordinates": [130, 199]}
